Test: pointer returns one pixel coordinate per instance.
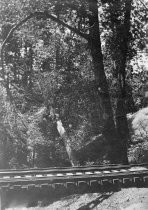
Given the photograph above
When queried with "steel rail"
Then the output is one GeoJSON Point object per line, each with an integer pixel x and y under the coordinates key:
{"type": "Point", "coordinates": [76, 168]}
{"type": "Point", "coordinates": [50, 181]}
{"type": "Point", "coordinates": [68, 173]}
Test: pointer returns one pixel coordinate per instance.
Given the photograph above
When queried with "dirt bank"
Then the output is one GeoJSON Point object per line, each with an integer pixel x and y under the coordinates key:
{"type": "Point", "coordinates": [126, 199]}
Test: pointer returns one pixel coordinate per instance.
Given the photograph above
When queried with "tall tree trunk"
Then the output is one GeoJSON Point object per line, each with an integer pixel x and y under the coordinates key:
{"type": "Point", "coordinates": [33, 156]}
{"type": "Point", "coordinates": [122, 129]}
{"type": "Point", "coordinates": [121, 119]}
{"type": "Point", "coordinates": [61, 130]}
{"type": "Point", "coordinates": [3, 154]}
{"type": "Point", "coordinates": [63, 134]}
{"type": "Point", "coordinates": [67, 142]}
{"type": "Point", "coordinates": [109, 130]}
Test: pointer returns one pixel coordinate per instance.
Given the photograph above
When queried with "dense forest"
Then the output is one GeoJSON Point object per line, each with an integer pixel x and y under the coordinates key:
{"type": "Point", "coordinates": [72, 75]}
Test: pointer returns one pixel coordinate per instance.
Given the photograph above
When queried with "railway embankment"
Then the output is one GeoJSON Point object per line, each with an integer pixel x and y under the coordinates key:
{"type": "Point", "coordinates": [126, 199]}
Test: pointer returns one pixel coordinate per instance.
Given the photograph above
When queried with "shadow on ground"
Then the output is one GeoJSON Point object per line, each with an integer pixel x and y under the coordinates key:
{"type": "Point", "coordinates": [44, 198]}
{"type": "Point", "coordinates": [95, 202]}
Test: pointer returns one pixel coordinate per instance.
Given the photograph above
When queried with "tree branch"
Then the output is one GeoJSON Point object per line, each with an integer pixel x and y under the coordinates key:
{"type": "Point", "coordinates": [40, 15]}
{"type": "Point", "coordinates": [45, 15]}
{"type": "Point", "coordinates": [15, 28]}
{"type": "Point", "coordinates": [144, 5]}
{"type": "Point", "coordinates": [54, 18]}
{"type": "Point", "coordinates": [6, 40]}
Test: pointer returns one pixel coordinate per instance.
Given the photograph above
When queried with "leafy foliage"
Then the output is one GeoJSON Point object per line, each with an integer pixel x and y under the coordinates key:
{"type": "Point", "coordinates": [139, 150]}
{"type": "Point", "coordinates": [47, 65]}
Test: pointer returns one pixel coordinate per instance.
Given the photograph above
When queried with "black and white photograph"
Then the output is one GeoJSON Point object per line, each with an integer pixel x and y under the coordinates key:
{"type": "Point", "coordinates": [73, 104]}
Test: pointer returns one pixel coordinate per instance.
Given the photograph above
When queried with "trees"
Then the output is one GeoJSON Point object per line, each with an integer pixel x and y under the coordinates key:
{"type": "Point", "coordinates": [100, 79]}
{"type": "Point", "coordinates": [47, 63]}
{"type": "Point", "coordinates": [13, 150]}
{"type": "Point", "coordinates": [122, 43]}
{"type": "Point", "coordinates": [120, 16]}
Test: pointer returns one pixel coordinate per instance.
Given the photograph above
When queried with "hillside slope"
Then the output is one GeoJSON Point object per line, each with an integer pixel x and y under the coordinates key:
{"type": "Point", "coordinates": [126, 199]}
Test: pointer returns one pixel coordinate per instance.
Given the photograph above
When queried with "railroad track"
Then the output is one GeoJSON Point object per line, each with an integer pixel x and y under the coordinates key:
{"type": "Point", "coordinates": [66, 178]}
{"type": "Point", "coordinates": [9, 179]}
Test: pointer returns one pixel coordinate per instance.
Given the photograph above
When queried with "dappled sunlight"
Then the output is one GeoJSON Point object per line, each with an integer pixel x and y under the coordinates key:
{"type": "Point", "coordinates": [17, 208]}
{"type": "Point", "coordinates": [138, 152]}
{"type": "Point", "coordinates": [140, 122]}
